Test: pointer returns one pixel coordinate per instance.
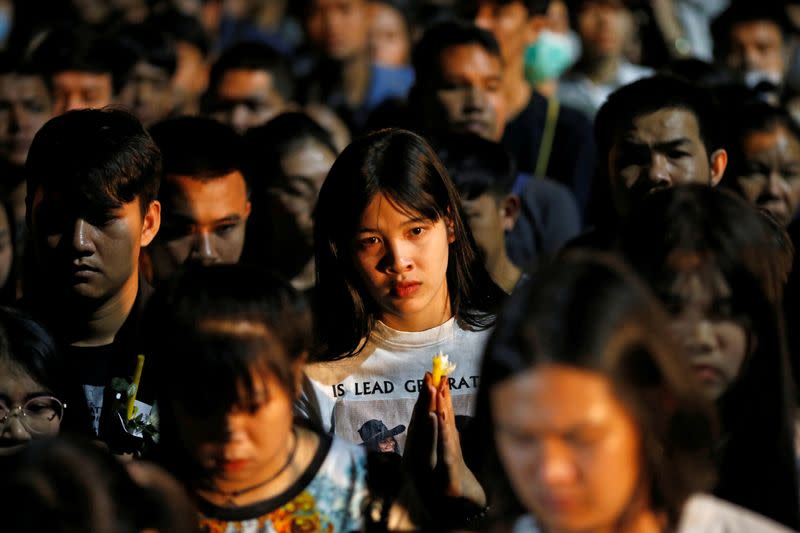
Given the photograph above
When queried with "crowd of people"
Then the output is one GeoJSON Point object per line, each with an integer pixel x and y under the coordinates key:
{"type": "Point", "coordinates": [511, 266]}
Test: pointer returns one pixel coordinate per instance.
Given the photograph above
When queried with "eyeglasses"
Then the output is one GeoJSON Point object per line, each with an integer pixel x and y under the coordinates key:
{"type": "Point", "coordinates": [38, 415]}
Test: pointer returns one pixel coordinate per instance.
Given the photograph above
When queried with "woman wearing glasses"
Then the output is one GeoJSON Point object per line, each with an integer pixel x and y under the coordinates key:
{"type": "Point", "coordinates": [34, 388]}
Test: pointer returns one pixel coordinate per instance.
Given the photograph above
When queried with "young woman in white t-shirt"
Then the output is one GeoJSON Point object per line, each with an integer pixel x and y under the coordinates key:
{"type": "Point", "coordinates": [398, 280]}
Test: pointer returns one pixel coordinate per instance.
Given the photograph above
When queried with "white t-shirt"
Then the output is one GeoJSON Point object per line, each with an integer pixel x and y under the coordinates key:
{"type": "Point", "coordinates": [369, 398]}
{"type": "Point", "coordinates": [702, 513]}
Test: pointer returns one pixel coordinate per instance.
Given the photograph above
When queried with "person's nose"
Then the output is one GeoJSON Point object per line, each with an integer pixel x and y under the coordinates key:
{"type": "Point", "coordinates": [776, 185]}
{"type": "Point", "coordinates": [701, 339]}
{"type": "Point", "coordinates": [658, 170]}
{"type": "Point", "coordinates": [240, 119]}
{"type": "Point", "coordinates": [556, 465]}
{"type": "Point", "coordinates": [81, 237]}
{"type": "Point", "coordinates": [398, 258]}
{"type": "Point", "coordinates": [13, 428]}
{"type": "Point", "coordinates": [475, 100]}
{"type": "Point", "coordinates": [204, 250]}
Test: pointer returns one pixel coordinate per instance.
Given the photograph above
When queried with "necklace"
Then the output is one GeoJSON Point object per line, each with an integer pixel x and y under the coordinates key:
{"type": "Point", "coordinates": [230, 496]}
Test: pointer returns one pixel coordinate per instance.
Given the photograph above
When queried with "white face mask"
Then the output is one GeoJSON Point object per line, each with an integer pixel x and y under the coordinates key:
{"type": "Point", "coordinates": [551, 55]}
{"type": "Point", "coordinates": [754, 77]}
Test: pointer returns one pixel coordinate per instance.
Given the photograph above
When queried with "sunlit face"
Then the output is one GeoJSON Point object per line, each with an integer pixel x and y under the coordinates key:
{"type": "Point", "coordinates": [757, 45]}
{"type": "Point", "coordinates": [388, 35]}
{"type": "Point", "coordinates": [293, 198]}
{"type": "Point", "coordinates": [148, 93]}
{"type": "Point", "coordinates": [89, 255]}
{"type": "Point", "coordinates": [339, 28]}
{"type": "Point", "coordinates": [714, 339]}
{"type": "Point", "coordinates": [771, 174]}
{"type": "Point", "coordinates": [74, 89]}
{"type": "Point", "coordinates": [16, 388]}
{"type": "Point", "coordinates": [246, 98]}
{"type": "Point", "coordinates": [24, 108]}
{"type": "Point", "coordinates": [659, 150]}
{"type": "Point", "coordinates": [570, 448]}
{"type": "Point", "coordinates": [402, 260]}
{"type": "Point", "coordinates": [469, 96]}
{"type": "Point", "coordinates": [246, 443]}
{"type": "Point", "coordinates": [203, 222]}
{"type": "Point", "coordinates": [510, 25]}
{"type": "Point", "coordinates": [604, 27]}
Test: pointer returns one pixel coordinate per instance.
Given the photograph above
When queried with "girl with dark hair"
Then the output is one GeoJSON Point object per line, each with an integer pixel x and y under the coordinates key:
{"type": "Point", "coordinates": [398, 280]}
{"type": "Point", "coordinates": [715, 262]}
{"type": "Point", "coordinates": [589, 419]}
{"type": "Point", "coordinates": [35, 385]}
{"type": "Point", "coordinates": [229, 343]}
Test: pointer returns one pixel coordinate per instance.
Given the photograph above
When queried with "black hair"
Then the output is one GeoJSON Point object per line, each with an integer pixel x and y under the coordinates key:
{"type": "Point", "coordinates": [80, 48]}
{"type": "Point", "coordinates": [476, 165]}
{"type": "Point", "coordinates": [755, 116]}
{"type": "Point", "coordinates": [71, 484]}
{"type": "Point", "coordinates": [403, 166]}
{"type": "Point", "coordinates": [209, 329]}
{"type": "Point", "coordinates": [743, 12]}
{"type": "Point", "coordinates": [426, 56]}
{"type": "Point", "coordinates": [28, 344]}
{"type": "Point", "coordinates": [152, 47]}
{"type": "Point", "coordinates": [534, 7]}
{"type": "Point", "coordinates": [199, 148]}
{"type": "Point", "coordinates": [587, 310]}
{"type": "Point", "coordinates": [253, 56]}
{"type": "Point", "coordinates": [649, 95]}
{"type": "Point", "coordinates": [99, 158]}
{"type": "Point", "coordinates": [183, 29]}
{"type": "Point", "coordinates": [721, 231]}
{"type": "Point", "coordinates": [269, 143]}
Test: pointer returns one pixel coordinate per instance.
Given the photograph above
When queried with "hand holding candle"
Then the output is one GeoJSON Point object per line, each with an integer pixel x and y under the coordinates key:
{"type": "Point", "coordinates": [441, 367]}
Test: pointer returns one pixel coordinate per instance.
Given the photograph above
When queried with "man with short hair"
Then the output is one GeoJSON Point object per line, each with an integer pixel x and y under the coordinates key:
{"type": "Point", "coordinates": [605, 27]}
{"type": "Point", "coordinates": [459, 89]}
{"type": "Point", "coordinates": [204, 195]}
{"type": "Point", "coordinates": [83, 69]}
{"type": "Point", "coordinates": [752, 38]}
{"type": "Point", "coordinates": [93, 179]}
{"type": "Point", "coordinates": [484, 175]}
{"type": "Point", "coordinates": [545, 137]}
{"type": "Point", "coordinates": [249, 84]}
{"type": "Point", "coordinates": [655, 133]}
{"type": "Point", "coordinates": [344, 77]}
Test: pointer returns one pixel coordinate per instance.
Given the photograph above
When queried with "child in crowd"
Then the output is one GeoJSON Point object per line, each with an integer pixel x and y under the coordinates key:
{"type": "Point", "coordinates": [594, 420]}
{"type": "Point", "coordinates": [229, 343]}
{"type": "Point", "coordinates": [714, 262]}
{"type": "Point", "coordinates": [398, 280]}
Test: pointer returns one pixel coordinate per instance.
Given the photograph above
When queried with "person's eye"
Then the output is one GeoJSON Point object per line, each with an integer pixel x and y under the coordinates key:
{"type": "Point", "coordinates": [677, 154]}
{"type": "Point", "coordinates": [368, 242]}
{"type": "Point", "coordinates": [417, 231]}
{"type": "Point", "coordinates": [225, 230]}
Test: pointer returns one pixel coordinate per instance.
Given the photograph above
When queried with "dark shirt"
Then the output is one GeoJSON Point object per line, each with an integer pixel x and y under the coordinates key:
{"type": "Point", "coordinates": [573, 151]}
{"type": "Point", "coordinates": [548, 219]}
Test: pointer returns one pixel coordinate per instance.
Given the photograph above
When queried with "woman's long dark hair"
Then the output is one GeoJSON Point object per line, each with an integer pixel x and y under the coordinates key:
{"type": "Point", "coordinates": [724, 233]}
{"type": "Point", "coordinates": [588, 311]}
{"type": "Point", "coordinates": [404, 167]}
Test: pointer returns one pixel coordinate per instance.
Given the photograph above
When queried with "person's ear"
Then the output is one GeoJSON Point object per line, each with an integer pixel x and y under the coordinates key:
{"type": "Point", "coordinates": [247, 209]}
{"type": "Point", "coordinates": [298, 373]}
{"type": "Point", "coordinates": [509, 211]}
{"type": "Point", "coordinates": [151, 223]}
{"type": "Point", "coordinates": [719, 161]}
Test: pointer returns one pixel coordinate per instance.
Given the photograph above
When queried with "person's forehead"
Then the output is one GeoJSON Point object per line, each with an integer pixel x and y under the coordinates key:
{"type": "Point", "coordinates": [664, 124]}
{"type": "Point", "coordinates": [228, 188]}
{"type": "Point", "coordinates": [242, 81]}
{"type": "Point", "coordinates": [329, 4]}
{"type": "Point", "coordinates": [81, 78]}
{"type": "Point", "coordinates": [20, 86]}
{"type": "Point", "coordinates": [756, 28]}
{"type": "Point", "coordinates": [469, 58]}
{"type": "Point", "coordinates": [144, 71]}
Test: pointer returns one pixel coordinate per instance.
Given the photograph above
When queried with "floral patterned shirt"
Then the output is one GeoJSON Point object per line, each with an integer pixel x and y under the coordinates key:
{"type": "Point", "coordinates": [329, 497]}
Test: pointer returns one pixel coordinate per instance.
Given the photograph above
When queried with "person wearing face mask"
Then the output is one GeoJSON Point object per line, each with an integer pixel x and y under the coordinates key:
{"type": "Point", "coordinates": [752, 39]}
{"type": "Point", "coordinates": [545, 137]}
